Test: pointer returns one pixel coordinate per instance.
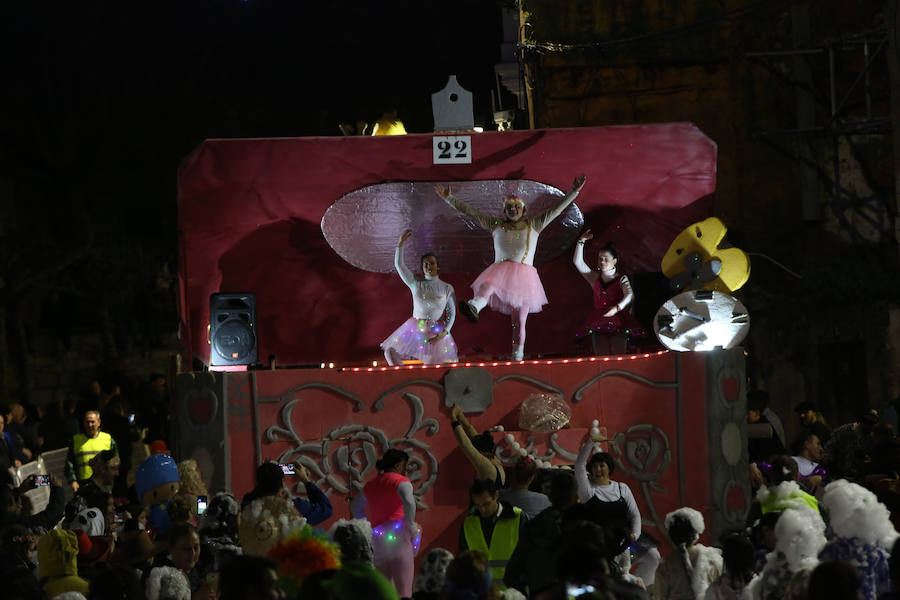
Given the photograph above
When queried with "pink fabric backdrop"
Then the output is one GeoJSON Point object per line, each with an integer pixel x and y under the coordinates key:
{"type": "Point", "coordinates": [250, 214]}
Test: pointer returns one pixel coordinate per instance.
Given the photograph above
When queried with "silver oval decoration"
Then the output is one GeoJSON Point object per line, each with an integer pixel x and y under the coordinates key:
{"type": "Point", "coordinates": [732, 444]}
{"type": "Point", "coordinates": [701, 320]}
{"type": "Point", "coordinates": [363, 226]}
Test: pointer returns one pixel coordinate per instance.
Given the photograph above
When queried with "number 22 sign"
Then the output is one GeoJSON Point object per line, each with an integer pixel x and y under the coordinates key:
{"type": "Point", "coordinates": [452, 149]}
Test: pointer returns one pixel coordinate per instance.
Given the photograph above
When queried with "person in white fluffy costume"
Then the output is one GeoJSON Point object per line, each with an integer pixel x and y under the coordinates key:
{"type": "Point", "coordinates": [354, 537]}
{"type": "Point", "coordinates": [168, 583]}
{"type": "Point", "coordinates": [862, 534]}
{"type": "Point", "coordinates": [686, 573]}
{"type": "Point", "coordinates": [266, 521]}
{"type": "Point", "coordinates": [800, 535]}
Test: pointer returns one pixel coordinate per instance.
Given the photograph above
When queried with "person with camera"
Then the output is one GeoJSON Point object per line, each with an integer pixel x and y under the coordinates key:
{"type": "Point", "coordinates": [15, 507]}
{"type": "Point", "coordinates": [270, 482]}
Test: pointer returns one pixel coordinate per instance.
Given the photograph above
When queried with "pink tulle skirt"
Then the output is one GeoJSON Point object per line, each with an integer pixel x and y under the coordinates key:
{"type": "Point", "coordinates": [410, 340]}
{"type": "Point", "coordinates": [510, 285]}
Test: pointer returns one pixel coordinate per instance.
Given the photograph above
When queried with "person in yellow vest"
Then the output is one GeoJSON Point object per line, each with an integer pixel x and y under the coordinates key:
{"type": "Point", "coordinates": [493, 527]}
{"type": "Point", "coordinates": [84, 447]}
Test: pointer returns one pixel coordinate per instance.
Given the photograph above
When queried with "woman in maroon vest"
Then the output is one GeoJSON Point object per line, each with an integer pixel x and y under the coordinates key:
{"type": "Point", "coordinates": [611, 322]}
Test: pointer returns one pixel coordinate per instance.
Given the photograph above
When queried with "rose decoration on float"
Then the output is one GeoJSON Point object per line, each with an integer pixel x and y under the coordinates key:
{"type": "Point", "coordinates": [643, 452]}
{"type": "Point", "coordinates": [345, 457]}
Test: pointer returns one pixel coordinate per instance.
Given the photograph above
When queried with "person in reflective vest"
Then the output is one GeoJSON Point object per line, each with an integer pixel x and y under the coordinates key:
{"type": "Point", "coordinates": [84, 447]}
{"type": "Point", "coordinates": [493, 527]}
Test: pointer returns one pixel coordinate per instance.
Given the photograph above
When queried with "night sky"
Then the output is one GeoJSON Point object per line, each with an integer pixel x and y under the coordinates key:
{"type": "Point", "coordinates": [101, 101]}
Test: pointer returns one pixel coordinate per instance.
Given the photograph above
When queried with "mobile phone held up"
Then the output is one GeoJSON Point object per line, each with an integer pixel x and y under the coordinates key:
{"type": "Point", "coordinates": [287, 469]}
{"type": "Point", "coordinates": [201, 505]}
{"type": "Point", "coordinates": [574, 591]}
{"type": "Point", "coordinates": [41, 480]}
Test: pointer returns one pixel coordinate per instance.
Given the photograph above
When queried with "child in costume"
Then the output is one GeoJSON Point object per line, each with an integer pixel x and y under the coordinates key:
{"type": "Point", "coordinates": [426, 335]}
{"type": "Point", "coordinates": [511, 285]}
{"type": "Point", "coordinates": [610, 321]}
{"type": "Point", "coordinates": [157, 482]}
{"type": "Point", "coordinates": [686, 573]}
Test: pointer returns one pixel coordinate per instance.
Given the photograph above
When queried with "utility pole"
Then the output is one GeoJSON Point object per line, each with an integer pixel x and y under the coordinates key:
{"type": "Point", "coordinates": [892, 18]}
{"type": "Point", "coordinates": [527, 69]}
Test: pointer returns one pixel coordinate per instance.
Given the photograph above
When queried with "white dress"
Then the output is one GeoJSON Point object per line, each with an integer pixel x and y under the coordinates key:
{"type": "Point", "coordinates": [434, 311]}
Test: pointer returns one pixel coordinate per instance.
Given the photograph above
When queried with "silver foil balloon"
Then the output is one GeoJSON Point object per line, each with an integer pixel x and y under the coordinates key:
{"type": "Point", "coordinates": [363, 226]}
{"type": "Point", "coordinates": [544, 413]}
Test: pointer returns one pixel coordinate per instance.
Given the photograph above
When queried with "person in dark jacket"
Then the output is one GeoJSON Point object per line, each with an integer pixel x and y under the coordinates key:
{"type": "Point", "coordinates": [12, 452]}
{"type": "Point", "coordinates": [809, 418]}
{"type": "Point", "coordinates": [6, 452]}
{"type": "Point", "coordinates": [532, 566]}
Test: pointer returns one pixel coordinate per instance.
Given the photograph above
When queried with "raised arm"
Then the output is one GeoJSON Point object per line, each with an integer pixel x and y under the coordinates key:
{"type": "Point", "coordinates": [405, 274]}
{"type": "Point", "coordinates": [542, 220]}
{"type": "Point", "coordinates": [484, 468]}
{"type": "Point", "coordinates": [578, 258]}
{"type": "Point", "coordinates": [457, 414]}
{"type": "Point", "coordinates": [581, 474]}
{"type": "Point", "coordinates": [316, 507]}
{"type": "Point", "coordinates": [484, 220]}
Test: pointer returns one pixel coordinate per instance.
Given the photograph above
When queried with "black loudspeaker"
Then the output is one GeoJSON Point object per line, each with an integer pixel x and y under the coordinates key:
{"type": "Point", "coordinates": [232, 329]}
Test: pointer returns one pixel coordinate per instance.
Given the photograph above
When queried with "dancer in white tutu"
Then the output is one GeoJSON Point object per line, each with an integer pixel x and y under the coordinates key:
{"type": "Point", "coordinates": [511, 285]}
{"type": "Point", "coordinates": [426, 335]}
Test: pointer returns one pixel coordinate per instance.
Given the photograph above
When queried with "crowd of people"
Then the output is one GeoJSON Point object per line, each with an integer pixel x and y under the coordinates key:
{"type": "Point", "coordinates": [821, 525]}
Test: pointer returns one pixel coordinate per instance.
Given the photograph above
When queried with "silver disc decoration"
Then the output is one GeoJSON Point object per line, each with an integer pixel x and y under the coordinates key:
{"type": "Point", "coordinates": [701, 320]}
{"type": "Point", "coordinates": [363, 226]}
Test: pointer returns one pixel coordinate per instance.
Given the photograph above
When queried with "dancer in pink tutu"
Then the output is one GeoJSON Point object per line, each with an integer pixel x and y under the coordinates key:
{"type": "Point", "coordinates": [511, 285]}
{"type": "Point", "coordinates": [426, 335]}
{"type": "Point", "coordinates": [611, 321]}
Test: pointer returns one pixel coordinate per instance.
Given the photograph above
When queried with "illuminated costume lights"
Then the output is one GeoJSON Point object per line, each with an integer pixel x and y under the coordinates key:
{"type": "Point", "coordinates": [426, 335]}
{"type": "Point", "coordinates": [392, 511]}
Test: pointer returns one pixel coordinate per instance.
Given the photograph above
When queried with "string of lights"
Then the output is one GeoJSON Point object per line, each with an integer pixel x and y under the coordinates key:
{"type": "Point", "coordinates": [507, 363]}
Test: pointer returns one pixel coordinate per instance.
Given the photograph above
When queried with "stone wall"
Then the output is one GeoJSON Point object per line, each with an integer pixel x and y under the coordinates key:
{"type": "Point", "coordinates": [821, 326]}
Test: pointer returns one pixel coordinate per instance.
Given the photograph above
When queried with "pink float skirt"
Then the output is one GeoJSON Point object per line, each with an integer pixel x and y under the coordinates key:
{"type": "Point", "coordinates": [510, 285]}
